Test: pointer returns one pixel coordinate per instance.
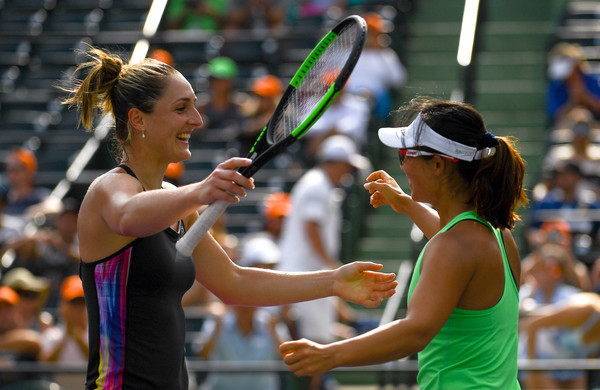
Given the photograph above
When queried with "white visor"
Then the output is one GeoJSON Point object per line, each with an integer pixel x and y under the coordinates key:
{"type": "Point", "coordinates": [419, 134]}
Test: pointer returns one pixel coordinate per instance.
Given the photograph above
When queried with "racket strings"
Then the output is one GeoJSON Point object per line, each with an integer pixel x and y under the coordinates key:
{"type": "Point", "coordinates": [308, 95]}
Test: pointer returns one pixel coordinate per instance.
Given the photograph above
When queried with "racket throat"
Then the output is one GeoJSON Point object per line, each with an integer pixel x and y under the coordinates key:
{"type": "Point", "coordinates": [259, 160]}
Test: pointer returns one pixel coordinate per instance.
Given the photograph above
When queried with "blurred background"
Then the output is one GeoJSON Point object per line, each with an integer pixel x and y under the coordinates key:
{"type": "Point", "coordinates": [530, 68]}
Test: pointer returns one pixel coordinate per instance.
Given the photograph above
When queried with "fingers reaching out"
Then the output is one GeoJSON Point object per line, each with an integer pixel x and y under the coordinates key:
{"type": "Point", "coordinates": [359, 282]}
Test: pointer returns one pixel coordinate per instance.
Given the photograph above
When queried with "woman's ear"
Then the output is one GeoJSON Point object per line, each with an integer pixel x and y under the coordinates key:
{"type": "Point", "coordinates": [136, 119]}
{"type": "Point", "coordinates": [439, 165]}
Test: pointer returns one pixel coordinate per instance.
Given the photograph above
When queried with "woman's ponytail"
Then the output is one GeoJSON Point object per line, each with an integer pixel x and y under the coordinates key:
{"type": "Point", "coordinates": [95, 90]}
{"type": "Point", "coordinates": [497, 186]}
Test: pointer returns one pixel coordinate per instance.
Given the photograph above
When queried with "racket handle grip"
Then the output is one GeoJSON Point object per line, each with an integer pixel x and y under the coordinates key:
{"type": "Point", "coordinates": [192, 237]}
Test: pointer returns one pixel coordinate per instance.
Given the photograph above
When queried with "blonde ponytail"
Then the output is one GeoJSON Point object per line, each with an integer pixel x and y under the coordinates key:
{"type": "Point", "coordinates": [95, 90]}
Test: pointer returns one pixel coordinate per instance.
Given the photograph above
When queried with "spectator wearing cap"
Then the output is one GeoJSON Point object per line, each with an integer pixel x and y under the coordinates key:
{"type": "Point", "coordinates": [244, 333]}
{"type": "Point", "coordinates": [277, 206]}
{"type": "Point", "coordinates": [571, 84]}
{"type": "Point", "coordinates": [265, 95]}
{"type": "Point", "coordinates": [17, 344]}
{"type": "Point", "coordinates": [21, 169]}
{"type": "Point", "coordinates": [219, 105]}
{"type": "Point", "coordinates": [33, 293]}
{"type": "Point", "coordinates": [67, 341]}
{"type": "Point", "coordinates": [274, 209]}
{"type": "Point", "coordinates": [379, 73]}
{"type": "Point", "coordinates": [311, 233]}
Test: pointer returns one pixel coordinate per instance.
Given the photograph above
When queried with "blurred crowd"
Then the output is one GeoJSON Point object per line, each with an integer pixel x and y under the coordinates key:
{"type": "Point", "coordinates": [42, 309]}
{"type": "Point", "coordinates": [561, 264]}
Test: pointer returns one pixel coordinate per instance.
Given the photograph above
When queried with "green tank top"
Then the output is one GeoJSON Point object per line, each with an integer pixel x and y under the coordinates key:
{"type": "Point", "coordinates": [476, 349]}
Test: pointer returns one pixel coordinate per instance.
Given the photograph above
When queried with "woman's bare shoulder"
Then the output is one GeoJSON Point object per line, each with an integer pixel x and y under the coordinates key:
{"type": "Point", "coordinates": [96, 239]}
{"type": "Point", "coordinates": [109, 182]}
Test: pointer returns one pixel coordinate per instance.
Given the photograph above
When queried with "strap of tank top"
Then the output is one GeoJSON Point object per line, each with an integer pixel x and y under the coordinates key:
{"type": "Point", "coordinates": [465, 216]}
{"type": "Point", "coordinates": [127, 169]}
{"type": "Point", "coordinates": [130, 172]}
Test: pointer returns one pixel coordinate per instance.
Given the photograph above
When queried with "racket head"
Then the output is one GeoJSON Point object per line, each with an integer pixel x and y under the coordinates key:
{"type": "Point", "coordinates": [311, 91]}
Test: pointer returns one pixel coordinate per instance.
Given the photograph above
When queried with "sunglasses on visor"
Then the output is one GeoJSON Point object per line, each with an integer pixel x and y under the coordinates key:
{"type": "Point", "coordinates": [402, 153]}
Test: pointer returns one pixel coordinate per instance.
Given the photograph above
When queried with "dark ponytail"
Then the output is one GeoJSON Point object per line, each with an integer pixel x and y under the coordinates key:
{"type": "Point", "coordinates": [497, 185]}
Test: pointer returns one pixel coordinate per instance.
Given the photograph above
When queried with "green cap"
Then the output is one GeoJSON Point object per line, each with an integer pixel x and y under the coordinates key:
{"type": "Point", "coordinates": [222, 68]}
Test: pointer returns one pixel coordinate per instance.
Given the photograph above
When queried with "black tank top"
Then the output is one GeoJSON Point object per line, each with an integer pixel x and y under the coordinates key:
{"type": "Point", "coordinates": [136, 321]}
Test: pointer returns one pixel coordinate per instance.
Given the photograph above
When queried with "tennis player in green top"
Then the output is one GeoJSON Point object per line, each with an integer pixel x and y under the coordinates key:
{"type": "Point", "coordinates": [462, 315]}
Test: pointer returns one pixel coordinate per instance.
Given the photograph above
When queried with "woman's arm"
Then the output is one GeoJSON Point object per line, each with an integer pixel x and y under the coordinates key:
{"type": "Point", "coordinates": [443, 279]}
{"type": "Point", "coordinates": [385, 190]}
{"type": "Point", "coordinates": [129, 211]}
{"type": "Point", "coordinates": [356, 282]}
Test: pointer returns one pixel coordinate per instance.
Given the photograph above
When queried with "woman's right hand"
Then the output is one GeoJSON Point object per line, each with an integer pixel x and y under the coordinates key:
{"type": "Point", "coordinates": [226, 182]}
{"type": "Point", "coordinates": [385, 190]}
{"type": "Point", "coordinates": [307, 358]}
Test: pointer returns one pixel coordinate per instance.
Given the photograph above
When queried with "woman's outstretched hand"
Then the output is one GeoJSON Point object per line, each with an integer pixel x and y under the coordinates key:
{"type": "Point", "coordinates": [359, 282]}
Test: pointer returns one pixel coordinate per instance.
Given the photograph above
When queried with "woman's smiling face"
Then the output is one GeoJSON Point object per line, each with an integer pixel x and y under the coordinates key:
{"type": "Point", "coordinates": [174, 118]}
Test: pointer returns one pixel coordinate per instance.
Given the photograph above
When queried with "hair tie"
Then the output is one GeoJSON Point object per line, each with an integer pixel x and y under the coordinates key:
{"type": "Point", "coordinates": [490, 140]}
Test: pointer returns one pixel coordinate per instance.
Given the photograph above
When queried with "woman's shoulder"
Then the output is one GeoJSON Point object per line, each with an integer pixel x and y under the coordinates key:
{"type": "Point", "coordinates": [449, 245]}
{"type": "Point", "coordinates": [467, 231]}
{"type": "Point", "coordinates": [468, 239]}
{"type": "Point", "coordinates": [111, 180]}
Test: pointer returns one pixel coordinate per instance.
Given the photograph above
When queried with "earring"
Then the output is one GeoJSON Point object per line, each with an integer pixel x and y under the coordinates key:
{"type": "Point", "coordinates": [143, 134]}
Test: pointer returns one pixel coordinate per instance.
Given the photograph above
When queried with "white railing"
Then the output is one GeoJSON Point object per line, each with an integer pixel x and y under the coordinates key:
{"type": "Point", "coordinates": [278, 366]}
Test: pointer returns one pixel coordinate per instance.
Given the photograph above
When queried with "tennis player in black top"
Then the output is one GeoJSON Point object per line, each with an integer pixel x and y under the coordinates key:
{"type": "Point", "coordinates": [130, 220]}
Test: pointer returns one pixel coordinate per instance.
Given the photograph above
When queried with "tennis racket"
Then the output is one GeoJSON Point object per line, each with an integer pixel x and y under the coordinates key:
{"type": "Point", "coordinates": [310, 92]}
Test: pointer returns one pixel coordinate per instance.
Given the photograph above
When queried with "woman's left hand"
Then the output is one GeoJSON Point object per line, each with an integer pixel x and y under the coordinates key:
{"type": "Point", "coordinates": [359, 282]}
